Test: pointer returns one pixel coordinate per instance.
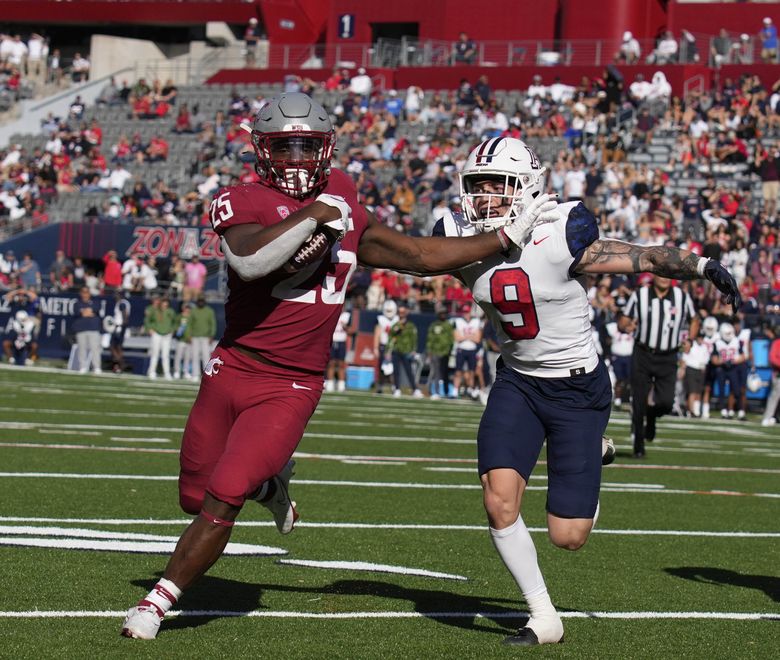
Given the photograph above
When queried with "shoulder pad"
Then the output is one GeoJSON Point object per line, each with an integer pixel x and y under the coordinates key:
{"type": "Point", "coordinates": [452, 224]}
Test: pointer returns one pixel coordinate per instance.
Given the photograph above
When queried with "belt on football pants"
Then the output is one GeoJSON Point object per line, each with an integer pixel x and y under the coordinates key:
{"type": "Point", "coordinates": [259, 357]}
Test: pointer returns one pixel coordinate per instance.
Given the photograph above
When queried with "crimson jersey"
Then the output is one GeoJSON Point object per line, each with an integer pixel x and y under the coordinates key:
{"type": "Point", "coordinates": [288, 318]}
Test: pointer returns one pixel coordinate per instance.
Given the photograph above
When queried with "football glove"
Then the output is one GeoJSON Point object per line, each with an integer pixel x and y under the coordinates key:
{"type": "Point", "coordinates": [342, 225]}
{"type": "Point", "coordinates": [543, 209]}
{"type": "Point", "coordinates": [725, 283]}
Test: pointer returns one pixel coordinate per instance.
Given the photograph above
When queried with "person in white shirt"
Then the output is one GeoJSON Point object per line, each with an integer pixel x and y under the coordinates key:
{"type": "Point", "coordinates": [468, 339]}
{"type": "Point", "coordinates": [336, 380]}
{"type": "Point", "coordinates": [18, 53]}
{"type": "Point", "coordinates": [386, 320]}
{"type": "Point", "coordinates": [630, 51]}
{"type": "Point", "coordinates": [361, 83]}
{"type": "Point", "coordinates": [37, 52]}
{"type": "Point", "coordinates": [696, 356]}
{"type": "Point", "coordinates": [621, 349]}
{"type": "Point", "coordinates": [131, 271]}
{"type": "Point", "coordinates": [666, 50]}
{"type": "Point", "coordinates": [574, 183]}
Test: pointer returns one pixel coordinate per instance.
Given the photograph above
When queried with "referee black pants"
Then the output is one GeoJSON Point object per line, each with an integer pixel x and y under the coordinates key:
{"type": "Point", "coordinates": [650, 370]}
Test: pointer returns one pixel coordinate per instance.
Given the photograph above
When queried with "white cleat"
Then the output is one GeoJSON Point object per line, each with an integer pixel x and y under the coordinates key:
{"type": "Point", "coordinates": [141, 622]}
{"type": "Point", "coordinates": [770, 421]}
{"type": "Point", "coordinates": [280, 505]}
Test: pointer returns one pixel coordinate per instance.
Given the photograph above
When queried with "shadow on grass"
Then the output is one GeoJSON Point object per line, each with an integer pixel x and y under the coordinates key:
{"type": "Point", "coordinates": [217, 594]}
{"type": "Point", "coordinates": [770, 585]}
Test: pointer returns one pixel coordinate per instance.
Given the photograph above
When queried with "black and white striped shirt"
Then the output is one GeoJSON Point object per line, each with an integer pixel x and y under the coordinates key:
{"type": "Point", "coordinates": [660, 320]}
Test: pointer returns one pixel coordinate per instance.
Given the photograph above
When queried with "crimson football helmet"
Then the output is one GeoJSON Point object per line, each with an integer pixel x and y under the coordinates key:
{"type": "Point", "coordinates": [293, 139]}
{"type": "Point", "coordinates": [519, 178]}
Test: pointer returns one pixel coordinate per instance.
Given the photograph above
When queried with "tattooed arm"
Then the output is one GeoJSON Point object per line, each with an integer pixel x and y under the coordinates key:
{"type": "Point", "coordinates": [610, 256]}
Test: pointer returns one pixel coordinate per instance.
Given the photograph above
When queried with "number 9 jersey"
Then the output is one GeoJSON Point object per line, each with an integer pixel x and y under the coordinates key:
{"type": "Point", "coordinates": [535, 301]}
{"type": "Point", "coordinates": [287, 318]}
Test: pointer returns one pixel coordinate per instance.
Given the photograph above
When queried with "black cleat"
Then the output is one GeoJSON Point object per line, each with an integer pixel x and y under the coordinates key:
{"type": "Point", "coordinates": [525, 637]}
{"type": "Point", "coordinates": [608, 457]}
{"type": "Point", "coordinates": [650, 429]}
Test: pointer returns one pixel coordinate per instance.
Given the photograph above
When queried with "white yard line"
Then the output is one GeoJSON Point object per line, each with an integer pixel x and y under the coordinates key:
{"type": "Point", "coordinates": [503, 614]}
{"type": "Point", "coordinates": [381, 526]}
{"type": "Point", "coordinates": [379, 484]}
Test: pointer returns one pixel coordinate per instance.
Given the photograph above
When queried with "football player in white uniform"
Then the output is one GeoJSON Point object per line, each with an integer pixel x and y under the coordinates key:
{"type": "Point", "coordinates": [709, 328]}
{"type": "Point", "coordinates": [728, 354]}
{"type": "Point", "coordinates": [550, 382]}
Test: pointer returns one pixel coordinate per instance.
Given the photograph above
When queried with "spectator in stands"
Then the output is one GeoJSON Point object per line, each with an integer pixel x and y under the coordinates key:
{"type": "Point", "coordinates": [767, 165]}
{"type": "Point", "coordinates": [80, 68]}
{"type": "Point", "coordinates": [689, 51]}
{"type": "Point", "coordinates": [665, 51]}
{"type": "Point", "coordinates": [251, 37]}
{"type": "Point", "coordinates": [86, 326]}
{"type": "Point", "coordinates": [29, 273]}
{"type": "Point", "coordinates": [630, 51]}
{"type": "Point", "coordinates": [361, 83]}
{"type": "Point", "coordinates": [720, 52]}
{"type": "Point", "coordinates": [37, 53]}
{"type": "Point", "coordinates": [112, 271]}
{"type": "Point", "coordinates": [55, 67]}
{"type": "Point", "coordinates": [574, 183]}
{"type": "Point", "coordinates": [110, 95]}
{"type": "Point", "coordinates": [768, 36]}
{"type": "Point", "coordinates": [194, 278]}
{"type": "Point", "coordinates": [183, 121]}
{"type": "Point", "coordinates": [77, 108]}
{"type": "Point", "coordinates": [157, 150]}
{"type": "Point", "coordinates": [60, 264]}
{"type": "Point", "coordinates": [465, 50]}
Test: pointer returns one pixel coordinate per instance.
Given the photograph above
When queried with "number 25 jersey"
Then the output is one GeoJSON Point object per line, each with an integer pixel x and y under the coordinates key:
{"type": "Point", "coordinates": [536, 303]}
{"type": "Point", "coordinates": [288, 318]}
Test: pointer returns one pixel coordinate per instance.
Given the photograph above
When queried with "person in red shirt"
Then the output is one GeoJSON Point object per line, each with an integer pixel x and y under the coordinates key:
{"type": "Point", "coordinates": [157, 149]}
{"type": "Point", "coordinates": [112, 271]}
{"type": "Point", "coordinates": [265, 378]}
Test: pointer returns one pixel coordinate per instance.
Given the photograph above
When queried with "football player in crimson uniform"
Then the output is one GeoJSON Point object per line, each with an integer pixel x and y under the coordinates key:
{"type": "Point", "coordinates": [265, 378]}
{"type": "Point", "coordinates": [550, 382]}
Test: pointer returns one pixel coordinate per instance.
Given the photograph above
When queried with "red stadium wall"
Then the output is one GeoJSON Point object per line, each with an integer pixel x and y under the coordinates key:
{"type": "Point", "coordinates": [295, 21]}
{"type": "Point", "coordinates": [445, 20]}
{"type": "Point", "coordinates": [708, 18]}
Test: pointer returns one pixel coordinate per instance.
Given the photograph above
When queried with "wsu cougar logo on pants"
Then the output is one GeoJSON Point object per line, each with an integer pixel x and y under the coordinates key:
{"type": "Point", "coordinates": [212, 367]}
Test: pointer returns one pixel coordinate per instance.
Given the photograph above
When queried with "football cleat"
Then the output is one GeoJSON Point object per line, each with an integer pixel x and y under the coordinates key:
{"type": "Point", "coordinates": [141, 622]}
{"type": "Point", "coordinates": [279, 504]}
{"type": "Point", "coordinates": [550, 632]}
{"type": "Point", "coordinates": [607, 450]}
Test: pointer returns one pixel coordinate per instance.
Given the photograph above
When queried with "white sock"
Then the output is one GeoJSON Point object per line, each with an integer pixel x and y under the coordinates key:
{"type": "Point", "coordinates": [517, 550]}
{"type": "Point", "coordinates": [163, 596]}
{"type": "Point", "coordinates": [697, 408]}
{"type": "Point", "coordinates": [705, 409]}
{"type": "Point", "coordinates": [596, 515]}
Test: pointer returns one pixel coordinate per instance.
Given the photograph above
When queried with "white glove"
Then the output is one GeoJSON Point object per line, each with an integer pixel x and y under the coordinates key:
{"type": "Point", "coordinates": [341, 225]}
{"type": "Point", "coordinates": [543, 209]}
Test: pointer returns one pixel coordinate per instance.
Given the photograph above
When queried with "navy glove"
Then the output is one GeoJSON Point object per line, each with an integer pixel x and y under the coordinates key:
{"type": "Point", "coordinates": [725, 283]}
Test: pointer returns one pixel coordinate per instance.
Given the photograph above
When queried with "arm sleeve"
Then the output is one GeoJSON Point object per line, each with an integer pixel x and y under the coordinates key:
{"type": "Point", "coordinates": [582, 229]}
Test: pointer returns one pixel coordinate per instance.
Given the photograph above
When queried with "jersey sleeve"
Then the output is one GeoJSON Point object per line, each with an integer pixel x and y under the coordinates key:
{"type": "Point", "coordinates": [237, 205]}
{"type": "Point", "coordinates": [582, 229]}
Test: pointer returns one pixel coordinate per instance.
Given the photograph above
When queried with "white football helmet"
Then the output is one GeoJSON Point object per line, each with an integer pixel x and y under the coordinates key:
{"type": "Point", "coordinates": [726, 332]}
{"type": "Point", "coordinates": [514, 165]}
{"type": "Point", "coordinates": [754, 382]}
{"type": "Point", "coordinates": [389, 309]}
{"type": "Point", "coordinates": [710, 326]}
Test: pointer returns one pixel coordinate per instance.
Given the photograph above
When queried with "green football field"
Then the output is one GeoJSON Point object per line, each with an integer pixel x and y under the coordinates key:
{"type": "Point", "coordinates": [391, 558]}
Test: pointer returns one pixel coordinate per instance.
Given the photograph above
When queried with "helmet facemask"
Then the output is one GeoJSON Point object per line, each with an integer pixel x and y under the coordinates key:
{"type": "Point", "coordinates": [491, 199]}
{"type": "Point", "coordinates": [296, 163]}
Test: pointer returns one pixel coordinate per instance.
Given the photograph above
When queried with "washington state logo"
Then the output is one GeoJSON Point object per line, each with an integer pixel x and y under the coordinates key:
{"type": "Point", "coordinates": [212, 367]}
{"type": "Point", "coordinates": [283, 211]}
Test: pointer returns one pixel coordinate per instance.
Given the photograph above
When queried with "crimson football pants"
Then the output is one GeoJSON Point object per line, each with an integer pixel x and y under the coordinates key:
{"type": "Point", "coordinates": [243, 428]}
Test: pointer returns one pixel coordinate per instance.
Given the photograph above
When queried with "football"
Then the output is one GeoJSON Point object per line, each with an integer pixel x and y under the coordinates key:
{"type": "Point", "coordinates": [311, 251]}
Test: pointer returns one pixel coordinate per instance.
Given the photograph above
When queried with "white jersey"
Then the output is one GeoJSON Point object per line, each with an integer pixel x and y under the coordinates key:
{"type": "Point", "coordinates": [744, 340]}
{"type": "Point", "coordinates": [471, 331]}
{"type": "Point", "coordinates": [340, 333]}
{"type": "Point", "coordinates": [698, 357]}
{"type": "Point", "coordinates": [728, 351]}
{"type": "Point", "coordinates": [538, 308]}
{"type": "Point", "coordinates": [385, 324]}
{"type": "Point", "coordinates": [622, 342]}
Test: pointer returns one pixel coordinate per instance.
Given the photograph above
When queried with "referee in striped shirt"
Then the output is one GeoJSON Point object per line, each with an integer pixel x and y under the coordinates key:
{"type": "Point", "coordinates": [656, 315]}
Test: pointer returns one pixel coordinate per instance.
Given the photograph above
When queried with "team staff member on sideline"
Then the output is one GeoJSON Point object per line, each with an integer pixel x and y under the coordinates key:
{"type": "Point", "coordinates": [201, 330]}
{"type": "Point", "coordinates": [657, 316]}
